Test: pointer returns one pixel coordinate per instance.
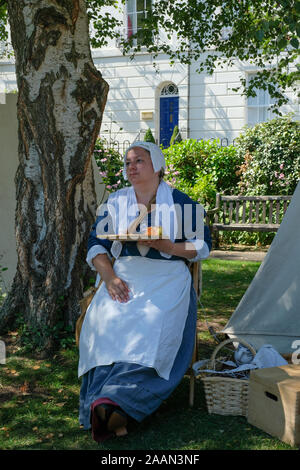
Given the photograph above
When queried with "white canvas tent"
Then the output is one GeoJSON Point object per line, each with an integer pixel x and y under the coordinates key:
{"type": "Point", "coordinates": [269, 312]}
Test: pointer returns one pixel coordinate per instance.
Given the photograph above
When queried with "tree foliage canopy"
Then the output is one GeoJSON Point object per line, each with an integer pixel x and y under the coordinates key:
{"type": "Point", "coordinates": [264, 34]}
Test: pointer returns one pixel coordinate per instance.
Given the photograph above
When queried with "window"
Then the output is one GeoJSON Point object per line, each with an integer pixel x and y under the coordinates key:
{"type": "Point", "coordinates": [258, 106]}
{"type": "Point", "coordinates": [169, 90]}
{"type": "Point", "coordinates": [137, 11]}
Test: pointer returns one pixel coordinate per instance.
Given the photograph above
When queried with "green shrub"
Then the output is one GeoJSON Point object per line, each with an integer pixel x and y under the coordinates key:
{"type": "Point", "coordinates": [204, 191]}
{"type": "Point", "coordinates": [270, 154]}
{"type": "Point", "coordinates": [176, 136]}
{"type": "Point", "coordinates": [110, 164]}
{"type": "Point", "coordinates": [149, 136]}
{"type": "Point", "coordinates": [271, 157]}
{"type": "Point", "coordinates": [202, 168]}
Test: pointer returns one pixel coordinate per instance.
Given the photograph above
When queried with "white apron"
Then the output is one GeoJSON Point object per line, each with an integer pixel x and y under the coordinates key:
{"type": "Point", "coordinates": [147, 329]}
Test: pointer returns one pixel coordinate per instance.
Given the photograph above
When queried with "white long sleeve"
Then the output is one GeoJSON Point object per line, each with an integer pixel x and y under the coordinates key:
{"type": "Point", "coordinates": [93, 252]}
{"type": "Point", "coordinates": [202, 250]}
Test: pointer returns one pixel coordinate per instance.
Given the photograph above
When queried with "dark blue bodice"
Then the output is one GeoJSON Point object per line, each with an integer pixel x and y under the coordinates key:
{"type": "Point", "coordinates": [130, 248]}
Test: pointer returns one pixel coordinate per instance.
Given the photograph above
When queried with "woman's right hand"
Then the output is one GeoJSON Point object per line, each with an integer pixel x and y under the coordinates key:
{"type": "Point", "coordinates": [117, 289]}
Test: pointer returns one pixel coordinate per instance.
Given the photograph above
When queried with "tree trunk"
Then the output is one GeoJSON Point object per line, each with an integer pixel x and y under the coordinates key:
{"type": "Point", "coordinates": [60, 104]}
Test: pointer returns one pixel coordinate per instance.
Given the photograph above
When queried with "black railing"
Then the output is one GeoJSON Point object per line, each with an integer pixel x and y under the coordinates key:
{"type": "Point", "coordinates": [224, 141]}
{"type": "Point", "coordinates": [122, 146]}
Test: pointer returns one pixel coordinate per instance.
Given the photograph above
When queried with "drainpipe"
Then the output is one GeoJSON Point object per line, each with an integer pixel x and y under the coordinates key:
{"type": "Point", "coordinates": [188, 102]}
{"type": "Point", "coordinates": [188, 97]}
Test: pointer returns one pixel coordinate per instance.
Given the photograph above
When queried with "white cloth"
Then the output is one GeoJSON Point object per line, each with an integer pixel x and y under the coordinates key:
{"type": "Point", "coordinates": [157, 157]}
{"type": "Point", "coordinates": [201, 249]}
{"type": "Point", "coordinates": [123, 209]}
{"type": "Point", "coordinates": [148, 328]}
{"type": "Point", "coordinates": [266, 356]}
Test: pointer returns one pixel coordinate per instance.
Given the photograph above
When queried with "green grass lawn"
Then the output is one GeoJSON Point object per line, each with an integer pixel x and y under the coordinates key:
{"type": "Point", "coordinates": [39, 398]}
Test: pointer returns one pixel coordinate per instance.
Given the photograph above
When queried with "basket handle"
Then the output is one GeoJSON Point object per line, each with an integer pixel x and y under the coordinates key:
{"type": "Point", "coordinates": [226, 341]}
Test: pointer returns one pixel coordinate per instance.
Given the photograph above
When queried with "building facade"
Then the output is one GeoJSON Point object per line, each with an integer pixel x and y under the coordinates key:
{"type": "Point", "coordinates": [144, 93]}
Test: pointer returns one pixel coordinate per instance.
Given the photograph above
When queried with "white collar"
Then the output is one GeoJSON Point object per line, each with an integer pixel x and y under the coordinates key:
{"type": "Point", "coordinates": [123, 208]}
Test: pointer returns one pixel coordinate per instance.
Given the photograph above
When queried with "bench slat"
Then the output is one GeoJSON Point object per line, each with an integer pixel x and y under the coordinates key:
{"type": "Point", "coordinates": [244, 212]}
{"type": "Point", "coordinates": [247, 227]}
{"type": "Point", "coordinates": [237, 209]}
{"type": "Point", "coordinates": [230, 211]}
{"type": "Point", "coordinates": [224, 212]}
{"type": "Point", "coordinates": [277, 212]}
{"type": "Point", "coordinates": [264, 212]}
{"type": "Point", "coordinates": [250, 211]}
{"type": "Point", "coordinates": [268, 208]}
{"type": "Point", "coordinates": [271, 212]}
{"type": "Point", "coordinates": [257, 212]}
{"type": "Point", "coordinates": [255, 198]}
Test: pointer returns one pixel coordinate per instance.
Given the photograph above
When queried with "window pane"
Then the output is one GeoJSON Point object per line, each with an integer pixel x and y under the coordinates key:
{"type": "Point", "coordinates": [140, 5]}
{"type": "Point", "coordinates": [140, 20]}
{"type": "Point", "coordinates": [263, 114]}
{"type": "Point", "coordinates": [130, 25]}
{"type": "Point", "coordinates": [130, 6]}
{"type": "Point", "coordinates": [136, 14]}
{"type": "Point", "coordinates": [258, 106]}
{"type": "Point", "coordinates": [253, 100]}
{"type": "Point", "coordinates": [263, 97]}
{"type": "Point", "coordinates": [252, 116]}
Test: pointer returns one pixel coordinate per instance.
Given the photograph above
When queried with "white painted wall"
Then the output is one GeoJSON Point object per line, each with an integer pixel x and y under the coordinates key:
{"type": "Point", "coordinates": [208, 108]}
{"type": "Point", "coordinates": [135, 88]}
{"type": "Point", "coordinates": [8, 165]}
{"type": "Point", "coordinates": [207, 104]}
{"type": "Point", "coordinates": [218, 111]}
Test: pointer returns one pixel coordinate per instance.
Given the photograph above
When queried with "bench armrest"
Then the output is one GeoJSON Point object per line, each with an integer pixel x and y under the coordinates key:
{"type": "Point", "coordinates": [212, 211]}
{"type": "Point", "coordinates": [210, 215]}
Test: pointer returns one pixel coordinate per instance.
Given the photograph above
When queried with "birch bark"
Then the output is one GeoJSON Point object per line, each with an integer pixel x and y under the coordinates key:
{"type": "Point", "coordinates": [61, 98]}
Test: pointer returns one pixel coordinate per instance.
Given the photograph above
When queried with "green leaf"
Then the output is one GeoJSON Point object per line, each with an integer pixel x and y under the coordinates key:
{"type": "Point", "coordinates": [259, 34]}
{"type": "Point", "coordinates": [297, 7]}
{"type": "Point", "coordinates": [295, 43]}
{"type": "Point", "coordinates": [282, 43]}
{"type": "Point", "coordinates": [265, 25]}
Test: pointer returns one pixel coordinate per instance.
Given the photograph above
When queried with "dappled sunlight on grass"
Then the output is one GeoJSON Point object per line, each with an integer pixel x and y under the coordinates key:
{"type": "Point", "coordinates": [39, 398]}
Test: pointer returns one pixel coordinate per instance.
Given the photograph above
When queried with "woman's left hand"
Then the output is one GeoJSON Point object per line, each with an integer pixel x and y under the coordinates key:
{"type": "Point", "coordinates": [182, 249]}
{"type": "Point", "coordinates": [165, 245]}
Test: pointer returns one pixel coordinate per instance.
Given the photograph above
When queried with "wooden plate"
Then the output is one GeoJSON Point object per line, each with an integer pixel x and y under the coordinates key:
{"type": "Point", "coordinates": [129, 237]}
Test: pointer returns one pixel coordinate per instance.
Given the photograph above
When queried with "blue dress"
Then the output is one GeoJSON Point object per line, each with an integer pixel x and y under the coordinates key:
{"type": "Point", "coordinates": [137, 389]}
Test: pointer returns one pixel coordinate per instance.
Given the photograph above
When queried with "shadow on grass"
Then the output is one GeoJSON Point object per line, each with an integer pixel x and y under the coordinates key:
{"type": "Point", "coordinates": [39, 407]}
{"type": "Point", "coordinates": [36, 424]}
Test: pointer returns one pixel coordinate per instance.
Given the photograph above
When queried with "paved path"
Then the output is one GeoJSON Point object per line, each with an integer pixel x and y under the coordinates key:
{"type": "Point", "coordinates": [238, 255]}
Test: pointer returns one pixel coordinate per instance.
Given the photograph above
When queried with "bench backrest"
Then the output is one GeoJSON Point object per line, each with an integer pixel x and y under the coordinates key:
{"type": "Point", "coordinates": [251, 209]}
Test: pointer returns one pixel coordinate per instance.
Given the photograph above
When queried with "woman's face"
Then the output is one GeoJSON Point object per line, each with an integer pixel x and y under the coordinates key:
{"type": "Point", "coordinates": [139, 166]}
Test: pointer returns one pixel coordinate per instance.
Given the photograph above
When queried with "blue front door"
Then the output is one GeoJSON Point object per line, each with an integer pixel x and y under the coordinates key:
{"type": "Point", "coordinates": [169, 107]}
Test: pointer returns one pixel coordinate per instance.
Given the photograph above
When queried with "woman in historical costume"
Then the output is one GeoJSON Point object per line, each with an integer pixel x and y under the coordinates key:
{"type": "Point", "coordinates": [137, 337]}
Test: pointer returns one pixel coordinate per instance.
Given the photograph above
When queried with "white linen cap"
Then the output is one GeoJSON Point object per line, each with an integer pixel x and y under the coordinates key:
{"type": "Point", "coordinates": [157, 157]}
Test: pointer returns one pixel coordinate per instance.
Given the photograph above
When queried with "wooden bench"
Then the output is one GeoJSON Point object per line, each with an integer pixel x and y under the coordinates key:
{"type": "Point", "coordinates": [246, 213]}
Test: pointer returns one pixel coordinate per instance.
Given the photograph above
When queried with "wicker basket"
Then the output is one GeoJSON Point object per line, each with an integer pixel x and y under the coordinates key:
{"type": "Point", "coordinates": [226, 395]}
